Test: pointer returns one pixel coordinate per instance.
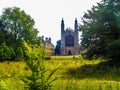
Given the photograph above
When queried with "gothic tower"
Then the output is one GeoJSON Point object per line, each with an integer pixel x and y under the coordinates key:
{"type": "Point", "coordinates": [62, 26]}
{"type": "Point", "coordinates": [62, 49]}
{"type": "Point", "coordinates": [69, 39]}
{"type": "Point", "coordinates": [76, 36]}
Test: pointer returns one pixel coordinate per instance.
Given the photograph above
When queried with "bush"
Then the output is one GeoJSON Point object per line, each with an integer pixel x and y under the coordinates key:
{"type": "Point", "coordinates": [89, 54]}
{"type": "Point", "coordinates": [12, 53]}
{"type": "Point", "coordinates": [26, 50]}
{"type": "Point", "coordinates": [19, 53]}
{"type": "Point", "coordinates": [47, 58]}
{"type": "Point", "coordinates": [5, 53]}
{"type": "Point", "coordinates": [92, 53]}
{"type": "Point", "coordinates": [40, 78]}
{"type": "Point", "coordinates": [114, 50]}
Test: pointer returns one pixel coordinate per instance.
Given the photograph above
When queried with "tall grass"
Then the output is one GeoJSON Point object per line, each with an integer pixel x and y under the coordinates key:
{"type": "Point", "coordinates": [9, 75]}
{"type": "Point", "coordinates": [73, 74]}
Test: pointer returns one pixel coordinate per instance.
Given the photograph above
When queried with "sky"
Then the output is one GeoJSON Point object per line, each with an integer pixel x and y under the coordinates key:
{"type": "Point", "coordinates": [48, 14]}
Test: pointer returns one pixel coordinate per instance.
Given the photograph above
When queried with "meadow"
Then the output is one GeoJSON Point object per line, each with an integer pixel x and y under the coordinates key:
{"type": "Point", "coordinates": [74, 73]}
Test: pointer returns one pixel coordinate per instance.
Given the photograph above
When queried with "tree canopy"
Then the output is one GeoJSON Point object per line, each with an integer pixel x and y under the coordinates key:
{"type": "Point", "coordinates": [16, 27]}
{"type": "Point", "coordinates": [101, 26]}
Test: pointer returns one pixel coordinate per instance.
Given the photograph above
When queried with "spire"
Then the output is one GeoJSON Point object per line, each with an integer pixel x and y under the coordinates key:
{"type": "Point", "coordinates": [76, 25]}
{"type": "Point", "coordinates": [75, 20]}
{"type": "Point", "coordinates": [62, 20]}
{"type": "Point", "coordinates": [62, 26]}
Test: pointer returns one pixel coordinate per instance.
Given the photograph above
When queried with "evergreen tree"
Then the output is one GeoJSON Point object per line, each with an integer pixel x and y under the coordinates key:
{"type": "Point", "coordinates": [100, 27]}
{"type": "Point", "coordinates": [40, 78]}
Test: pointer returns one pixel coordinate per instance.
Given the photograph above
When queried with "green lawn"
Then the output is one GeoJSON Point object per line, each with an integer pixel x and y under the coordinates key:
{"type": "Point", "coordinates": [73, 74]}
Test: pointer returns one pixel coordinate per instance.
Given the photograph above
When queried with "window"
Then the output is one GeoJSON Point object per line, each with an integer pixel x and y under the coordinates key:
{"type": "Point", "coordinates": [69, 41]}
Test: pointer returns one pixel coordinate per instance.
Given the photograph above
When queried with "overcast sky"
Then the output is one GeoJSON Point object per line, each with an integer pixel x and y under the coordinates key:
{"type": "Point", "coordinates": [47, 14]}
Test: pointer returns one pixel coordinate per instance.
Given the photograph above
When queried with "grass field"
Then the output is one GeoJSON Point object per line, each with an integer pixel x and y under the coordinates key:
{"type": "Point", "coordinates": [73, 74]}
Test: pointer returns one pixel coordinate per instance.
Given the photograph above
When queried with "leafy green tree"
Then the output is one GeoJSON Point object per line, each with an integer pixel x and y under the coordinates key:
{"type": "Point", "coordinates": [100, 27]}
{"type": "Point", "coordinates": [19, 25]}
{"type": "Point", "coordinates": [15, 27]}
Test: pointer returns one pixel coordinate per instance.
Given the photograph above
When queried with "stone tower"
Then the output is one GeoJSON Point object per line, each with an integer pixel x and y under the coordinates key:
{"type": "Point", "coordinates": [69, 39]}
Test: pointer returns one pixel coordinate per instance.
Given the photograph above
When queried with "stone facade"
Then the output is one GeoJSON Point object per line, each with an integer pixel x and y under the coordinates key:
{"type": "Point", "coordinates": [69, 40]}
{"type": "Point", "coordinates": [49, 47]}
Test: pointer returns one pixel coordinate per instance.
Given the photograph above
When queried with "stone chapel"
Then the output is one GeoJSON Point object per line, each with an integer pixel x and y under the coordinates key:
{"type": "Point", "coordinates": [69, 39]}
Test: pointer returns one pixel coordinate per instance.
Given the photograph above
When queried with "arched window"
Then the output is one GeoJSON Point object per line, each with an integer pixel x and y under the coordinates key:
{"type": "Point", "coordinates": [69, 41]}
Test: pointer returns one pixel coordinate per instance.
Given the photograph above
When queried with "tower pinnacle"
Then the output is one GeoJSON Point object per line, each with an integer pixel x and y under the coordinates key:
{"type": "Point", "coordinates": [62, 26]}
{"type": "Point", "coordinates": [76, 25]}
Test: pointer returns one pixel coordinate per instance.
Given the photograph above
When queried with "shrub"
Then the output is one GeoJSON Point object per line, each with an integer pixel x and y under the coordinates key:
{"type": "Point", "coordinates": [89, 54]}
{"type": "Point", "coordinates": [12, 53]}
{"type": "Point", "coordinates": [4, 52]}
{"type": "Point", "coordinates": [26, 50]}
{"type": "Point", "coordinates": [40, 78]}
{"type": "Point", "coordinates": [47, 58]}
{"type": "Point", "coordinates": [19, 53]}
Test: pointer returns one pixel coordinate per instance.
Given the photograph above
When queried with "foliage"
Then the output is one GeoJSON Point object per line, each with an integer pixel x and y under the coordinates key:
{"type": "Point", "coordinates": [26, 50]}
{"type": "Point", "coordinates": [100, 27]}
{"type": "Point", "coordinates": [2, 32]}
{"type": "Point", "coordinates": [57, 48]}
{"type": "Point", "coordinates": [114, 50]}
{"type": "Point", "coordinates": [39, 79]}
{"type": "Point", "coordinates": [13, 53]}
{"type": "Point", "coordinates": [9, 75]}
{"type": "Point", "coordinates": [4, 52]}
{"type": "Point", "coordinates": [15, 27]}
{"type": "Point", "coordinates": [19, 25]}
{"type": "Point", "coordinates": [73, 74]}
{"type": "Point", "coordinates": [19, 53]}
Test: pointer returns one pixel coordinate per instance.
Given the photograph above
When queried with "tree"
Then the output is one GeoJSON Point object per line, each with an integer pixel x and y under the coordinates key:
{"type": "Point", "coordinates": [40, 78]}
{"type": "Point", "coordinates": [15, 27]}
{"type": "Point", "coordinates": [100, 27]}
{"type": "Point", "coordinates": [114, 50]}
{"type": "Point", "coordinates": [57, 48]}
{"type": "Point", "coordinates": [19, 25]}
